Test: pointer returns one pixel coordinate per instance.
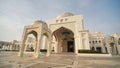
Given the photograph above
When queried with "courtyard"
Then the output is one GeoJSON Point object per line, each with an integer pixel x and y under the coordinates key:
{"type": "Point", "coordinates": [63, 60]}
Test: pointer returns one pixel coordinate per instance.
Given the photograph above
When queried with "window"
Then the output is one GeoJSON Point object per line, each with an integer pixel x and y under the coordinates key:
{"type": "Point", "coordinates": [99, 49]}
{"type": "Point", "coordinates": [61, 20]}
{"type": "Point", "coordinates": [99, 41]}
{"type": "Point", "coordinates": [93, 48]}
{"type": "Point", "coordinates": [96, 41]}
{"type": "Point", "coordinates": [66, 19]}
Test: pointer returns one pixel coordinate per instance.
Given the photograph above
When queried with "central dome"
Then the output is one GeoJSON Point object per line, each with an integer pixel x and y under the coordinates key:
{"type": "Point", "coordinates": [37, 22]}
{"type": "Point", "coordinates": [65, 14]}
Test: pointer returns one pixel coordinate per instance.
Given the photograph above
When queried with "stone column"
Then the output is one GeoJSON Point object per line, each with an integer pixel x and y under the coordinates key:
{"type": "Point", "coordinates": [47, 54]}
{"type": "Point", "coordinates": [59, 47]}
{"type": "Point", "coordinates": [103, 49]}
{"type": "Point", "coordinates": [56, 47]}
{"type": "Point", "coordinates": [87, 45]}
{"type": "Point", "coordinates": [26, 45]}
{"type": "Point", "coordinates": [22, 47]}
{"type": "Point", "coordinates": [115, 48]}
{"type": "Point", "coordinates": [109, 49]}
{"type": "Point", "coordinates": [35, 45]}
{"type": "Point", "coordinates": [10, 47]}
{"type": "Point", "coordinates": [76, 44]}
{"type": "Point", "coordinates": [43, 42]}
{"type": "Point", "coordinates": [80, 43]}
{"type": "Point", "coordinates": [39, 39]}
{"type": "Point", "coordinates": [49, 47]}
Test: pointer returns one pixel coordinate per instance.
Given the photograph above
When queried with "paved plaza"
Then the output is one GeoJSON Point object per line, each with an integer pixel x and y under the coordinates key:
{"type": "Point", "coordinates": [66, 60]}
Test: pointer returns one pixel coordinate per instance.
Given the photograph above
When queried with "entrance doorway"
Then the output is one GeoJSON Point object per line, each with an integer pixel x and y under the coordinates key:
{"type": "Point", "coordinates": [70, 46]}
{"type": "Point", "coordinates": [99, 49]}
{"type": "Point", "coordinates": [63, 40]}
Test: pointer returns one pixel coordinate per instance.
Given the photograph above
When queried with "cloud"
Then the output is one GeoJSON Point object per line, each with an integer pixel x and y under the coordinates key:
{"type": "Point", "coordinates": [10, 29]}
{"type": "Point", "coordinates": [15, 14]}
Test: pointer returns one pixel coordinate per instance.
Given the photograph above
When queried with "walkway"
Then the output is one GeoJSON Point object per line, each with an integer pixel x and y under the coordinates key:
{"type": "Point", "coordinates": [59, 61]}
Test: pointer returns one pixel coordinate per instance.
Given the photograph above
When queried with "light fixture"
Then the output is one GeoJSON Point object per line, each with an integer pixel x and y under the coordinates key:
{"type": "Point", "coordinates": [65, 35]}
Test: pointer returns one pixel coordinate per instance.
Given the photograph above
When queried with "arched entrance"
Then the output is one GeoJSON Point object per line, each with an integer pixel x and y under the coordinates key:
{"type": "Point", "coordinates": [30, 43]}
{"type": "Point", "coordinates": [63, 40]}
{"type": "Point", "coordinates": [40, 30]}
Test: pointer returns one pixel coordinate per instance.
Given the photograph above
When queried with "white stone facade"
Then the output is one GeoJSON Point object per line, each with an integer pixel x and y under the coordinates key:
{"type": "Point", "coordinates": [117, 42]}
{"type": "Point", "coordinates": [15, 45]}
{"type": "Point", "coordinates": [73, 25]}
{"type": "Point", "coordinates": [105, 44]}
{"type": "Point", "coordinates": [97, 42]}
{"type": "Point", "coordinates": [9, 46]}
{"type": "Point", "coordinates": [65, 33]}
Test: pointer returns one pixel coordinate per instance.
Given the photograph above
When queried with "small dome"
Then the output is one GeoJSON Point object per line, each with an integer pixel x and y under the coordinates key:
{"type": "Point", "coordinates": [65, 14]}
{"type": "Point", "coordinates": [37, 22]}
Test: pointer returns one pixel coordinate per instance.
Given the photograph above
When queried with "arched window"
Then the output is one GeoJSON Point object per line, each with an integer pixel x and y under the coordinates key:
{"type": "Point", "coordinates": [61, 20]}
{"type": "Point", "coordinates": [93, 48]}
{"type": "Point", "coordinates": [99, 41]}
{"type": "Point", "coordinates": [89, 41]}
{"type": "Point", "coordinates": [66, 19]}
{"type": "Point", "coordinates": [96, 41]}
{"type": "Point", "coordinates": [99, 49]}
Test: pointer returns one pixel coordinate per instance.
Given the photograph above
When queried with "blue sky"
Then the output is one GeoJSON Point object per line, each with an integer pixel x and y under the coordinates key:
{"type": "Point", "coordinates": [99, 15]}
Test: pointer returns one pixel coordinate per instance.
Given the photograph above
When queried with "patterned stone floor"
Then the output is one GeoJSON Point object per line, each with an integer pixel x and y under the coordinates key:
{"type": "Point", "coordinates": [11, 60]}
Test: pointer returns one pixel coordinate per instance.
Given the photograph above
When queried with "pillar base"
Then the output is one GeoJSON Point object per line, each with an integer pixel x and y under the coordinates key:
{"type": "Point", "coordinates": [20, 54]}
{"type": "Point", "coordinates": [48, 54]}
{"type": "Point", "coordinates": [36, 55]}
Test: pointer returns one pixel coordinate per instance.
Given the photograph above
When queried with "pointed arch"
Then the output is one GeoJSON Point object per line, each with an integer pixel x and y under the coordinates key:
{"type": "Point", "coordinates": [32, 32]}
{"type": "Point", "coordinates": [63, 44]}
{"type": "Point", "coordinates": [62, 27]}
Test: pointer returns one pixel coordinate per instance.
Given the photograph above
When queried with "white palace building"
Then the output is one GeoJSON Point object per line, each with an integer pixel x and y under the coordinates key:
{"type": "Point", "coordinates": [66, 33]}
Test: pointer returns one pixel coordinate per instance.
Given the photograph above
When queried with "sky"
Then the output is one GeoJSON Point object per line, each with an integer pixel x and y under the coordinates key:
{"type": "Point", "coordinates": [99, 15]}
